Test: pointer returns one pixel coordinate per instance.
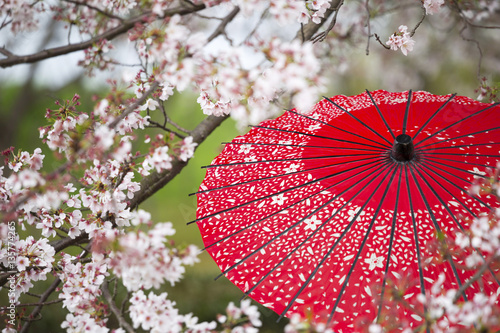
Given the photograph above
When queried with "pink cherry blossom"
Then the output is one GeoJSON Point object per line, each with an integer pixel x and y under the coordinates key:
{"type": "Point", "coordinates": [432, 6]}
{"type": "Point", "coordinates": [401, 40]}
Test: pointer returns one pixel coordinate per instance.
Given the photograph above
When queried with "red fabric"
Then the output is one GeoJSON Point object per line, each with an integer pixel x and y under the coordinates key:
{"type": "Point", "coordinates": [292, 186]}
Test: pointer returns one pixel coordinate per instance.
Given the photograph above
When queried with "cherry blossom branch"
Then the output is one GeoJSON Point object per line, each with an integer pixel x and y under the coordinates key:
{"type": "Point", "coordinates": [38, 303]}
{"type": "Point", "coordinates": [62, 50]}
{"type": "Point", "coordinates": [132, 107]}
{"type": "Point", "coordinates": [321, 37]}
{"type": "Point", "coordinates": [424, 14]}
{"type": "Point", "coordinates": [117, 312]}
{"type": "Point", "coordinates": [149, 185]}
{"type": "Point", "coordinates": [221, 28]}
{"type": "Point", "coordinates": [478, 46]}
{"type": "Point", "coordinates": [368, 25]}
{"type": "Point", "coordinates": [474, 278]}
{"type": "Point", "coordinates": [12, 59]}
{"type": "Point", "coordinates": [377, 38]}
{"type": "Point", "coordinates": [154, 182]}
{"type": "Point", "coordinates": [308, 30]}
{"type": "Point", "coordinates": [456, 6]}
{"type": "Point", "coordinates": [155, 124]}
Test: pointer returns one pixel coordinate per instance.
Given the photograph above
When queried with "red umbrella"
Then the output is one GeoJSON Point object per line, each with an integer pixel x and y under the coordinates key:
{"type": "Point", "coordinates": [314, 213]}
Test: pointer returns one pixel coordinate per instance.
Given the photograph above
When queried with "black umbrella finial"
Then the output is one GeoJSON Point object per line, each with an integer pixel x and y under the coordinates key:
{"type": "Point", "coordinates": [403, 149]}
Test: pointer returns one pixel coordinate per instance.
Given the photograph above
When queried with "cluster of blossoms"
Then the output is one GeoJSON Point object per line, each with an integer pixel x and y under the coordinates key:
{"type": "Point", "coordinates": [143, 261]}
{"type": "Point", "coordinates": [156, 313]}
{"type": "Point", "coordinates": [22, 13]}
{"type": "Point", "coordinates": [445, 315]}
{"type": "Point", "coordinates": [290, 67]}
{"type": "Point", "coordinates": [80, 294]}
{"type": "Point", "coordinates": [432, 6]}
{"type": "Point", "coordinates": [298, 325]}
{"type": "Point", "coordinates": [401, 40]}
{"type": "Point", "coordinates": [96, 57]}
{"type": "Point", "coordinates": [34, 260]}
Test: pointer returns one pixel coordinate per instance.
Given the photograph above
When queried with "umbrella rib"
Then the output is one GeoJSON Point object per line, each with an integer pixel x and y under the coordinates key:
{"type": "Point", "coordinates": [292, 145]}
{"type": "Point", "coordinates": [465, 154]}
{"type": "Point", "coordinates": [359, 121]}
{"type": "Point", "coordinates": [415, 234]}
{"type": "Point", "coordinates": [433, 190]}
{"type": "Point", "coordinates": [465, 180]}
{"type": "Point", "coordinates": [358, 254]}
{"type": "Point", "coordinates": [277, 193]}
{"type": "Point", "coordinates": [459, 161]}
{"type": "Point", "coordinates": [433, 160]}
{"type": "Point", "coordinates": [458, 146]}
{"type": "Point", "coordinates": [457, 122]}
{"type": "Point", "coordinates": [453, 184]}
{"type": "Point", "coordinates": [435, 113]}
{"type": "Point", "coordinates": [337, 128]}
{"type": "Point", "coordinates": [461, 136]}
{"type": "Point", "coordinates": [320, 136]}
{"type": "Point", "coordinates": [380, 113]}
{"type": "Point", "coordinates": [290, 159]}
{"type": "Point", "coordinates": [300, 222]}
{"type": "Point", "coordinates": [334, 245]}
{"type": "Point", "coordinates": [436, 226]}
{"type": "Point", "coordinates": [296, 203]}
{"type": "Point", "coordinates": [407, 111]}
{"type": "Point", "coordinates": [389, 250]}
{"type": "Point", "coordinates": [276, 176]}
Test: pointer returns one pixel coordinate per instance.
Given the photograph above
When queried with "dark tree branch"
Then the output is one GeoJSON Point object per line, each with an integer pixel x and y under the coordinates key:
{"type": "Point", "coordinates": [424, 14]}
{"type": "Point", "coordinates": [166, 129]}
{"type": "Point", "coordinates": [321, 36]}
{"type": "Point", "coordinates": [222, 26]}
{"type": "Point", "coordinates": [155, 181]}
{"type": "Point", "coordinates": [377, 38]}
{"type": "Point", "coordinates": [12, 59]}
{"type": "Point", "coordinates": [308, 30]}
{"type": "Point", "coordinates": [61, 50]}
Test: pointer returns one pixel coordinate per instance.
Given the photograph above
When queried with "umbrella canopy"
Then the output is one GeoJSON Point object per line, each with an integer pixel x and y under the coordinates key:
{"type": "Point", "coordinates": [314, 213]}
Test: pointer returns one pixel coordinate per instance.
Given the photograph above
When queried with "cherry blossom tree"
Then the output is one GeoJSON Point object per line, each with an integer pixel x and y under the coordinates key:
{"type": "Point", "coordinates": [242, 59]}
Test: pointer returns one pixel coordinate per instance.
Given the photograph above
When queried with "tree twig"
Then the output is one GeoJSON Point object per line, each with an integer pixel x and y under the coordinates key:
{"type": "Point", "coordinates": [118, 314]}
{"type": "Point", "coordinates": [479, 273]}
{"type": "Point", "coordinates": [368, 24]}
{"type": "Point", "coordinates": [221, 28]}
{"type": "Point", "coordinates": [424, 14]}
{"type": "Point", "coordinates": [36, 311]}
{"type": "Point", "coordinates": [308, 30]}
{"type": "Point", "coordinates": [133, 106]}
{"type": "Point", "coordinates": [321, 37]}
{"type": "Point", "coordinates": [166, 129]}
{"type": "Point", "coordinates": [377, 38]}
